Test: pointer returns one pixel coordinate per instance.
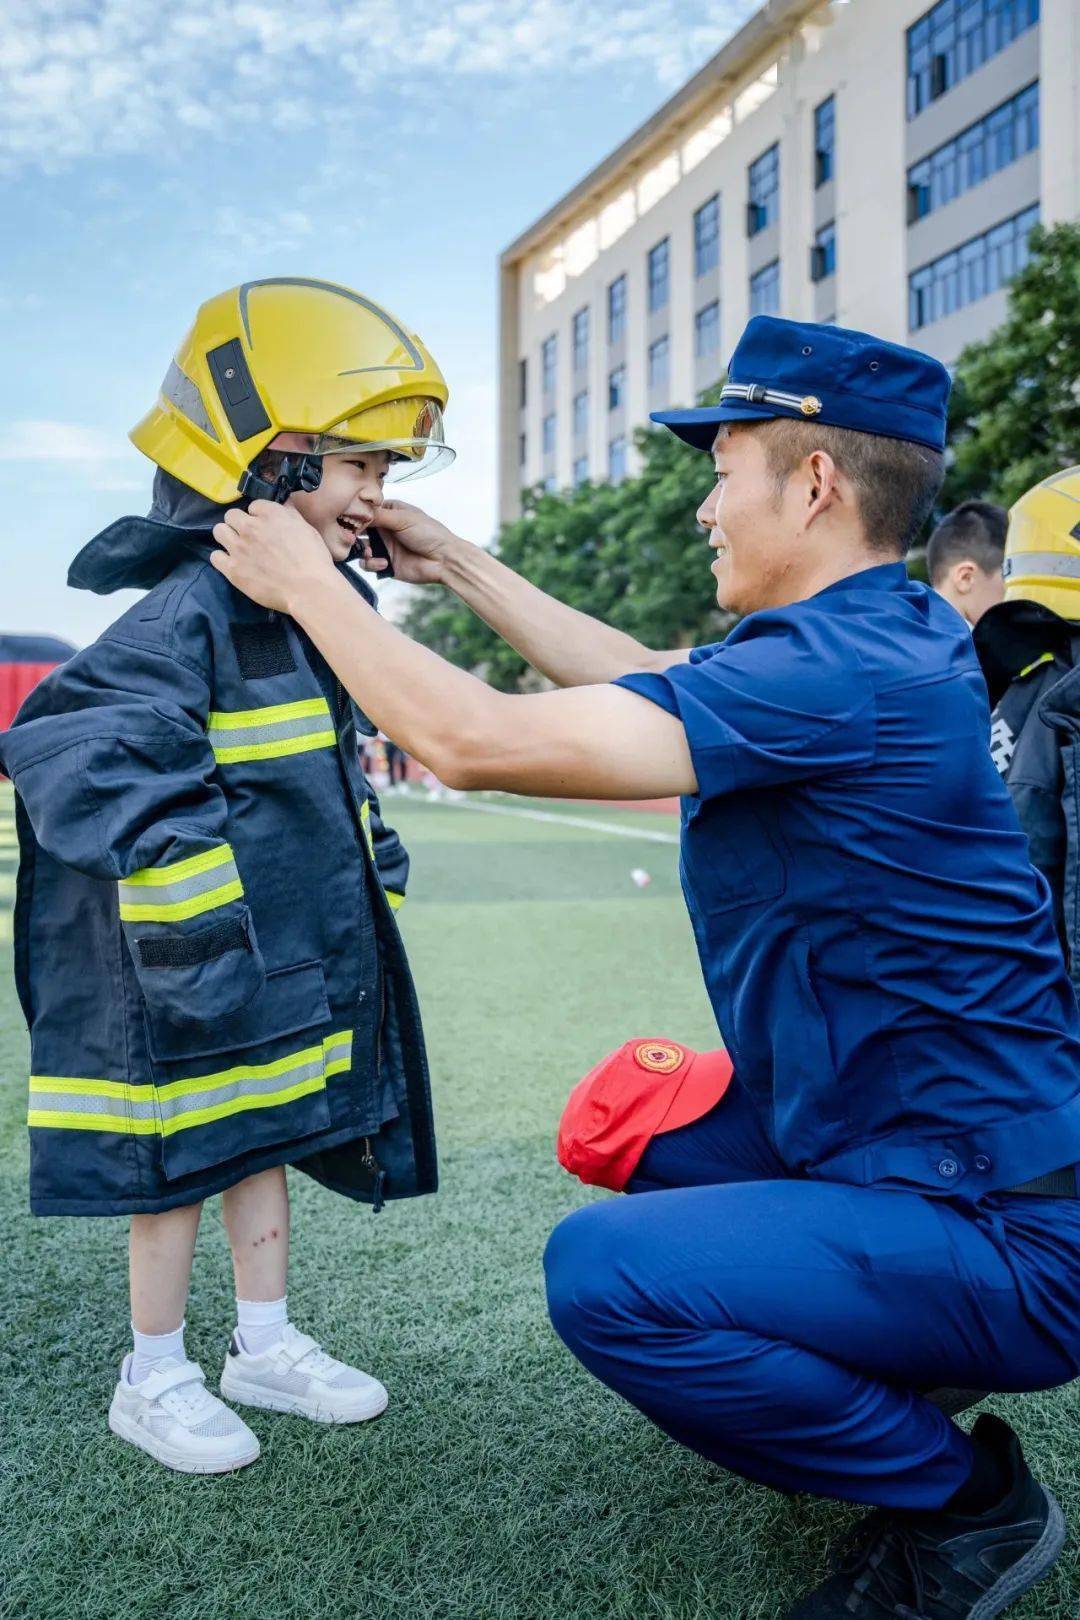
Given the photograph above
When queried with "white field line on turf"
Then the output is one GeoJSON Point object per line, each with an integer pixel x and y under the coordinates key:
{"type": "Point", "coordinates": [613, 827]}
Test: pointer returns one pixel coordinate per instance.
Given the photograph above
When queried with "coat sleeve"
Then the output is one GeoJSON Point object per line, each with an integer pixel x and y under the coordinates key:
{"type": "Point", "coordinates": [389, 853]}
{"type": "Point", "coordinates": [111, 760]}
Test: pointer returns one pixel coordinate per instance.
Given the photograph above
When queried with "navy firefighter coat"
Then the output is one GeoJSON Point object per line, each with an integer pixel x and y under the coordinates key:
{"type": "Point", "coordinates": [205, 945]}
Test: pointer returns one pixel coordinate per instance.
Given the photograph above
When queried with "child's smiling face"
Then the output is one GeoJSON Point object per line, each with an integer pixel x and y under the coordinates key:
{"type": "Point", "coordinates": [349, 493]}
{"type": "Point", "coordinates": [348, 496]}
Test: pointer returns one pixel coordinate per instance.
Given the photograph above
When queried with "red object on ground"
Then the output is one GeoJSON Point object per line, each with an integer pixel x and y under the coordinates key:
{"type": "Point", "coordinates": [24, 661]}
{"type": "Point", "coordinates": [646, 1087]}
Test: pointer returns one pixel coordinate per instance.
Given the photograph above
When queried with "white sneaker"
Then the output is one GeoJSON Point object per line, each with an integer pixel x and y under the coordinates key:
{"type": "Point", "coordinates": [295, 1375]}
{"type": "Point", "coordinates": [174, 1417]}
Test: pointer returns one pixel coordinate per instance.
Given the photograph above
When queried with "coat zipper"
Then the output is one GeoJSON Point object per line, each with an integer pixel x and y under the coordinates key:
{"type": "Point", "coordinates": [368, 1160]}
{"type": "Point", "coordinates": [378, 1174]}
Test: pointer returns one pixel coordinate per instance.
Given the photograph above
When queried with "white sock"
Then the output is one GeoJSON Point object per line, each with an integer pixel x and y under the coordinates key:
{"type": "Point", "coordinates": [260, 1323]}
{"type": "Point", "coordinates": [154, 1350]}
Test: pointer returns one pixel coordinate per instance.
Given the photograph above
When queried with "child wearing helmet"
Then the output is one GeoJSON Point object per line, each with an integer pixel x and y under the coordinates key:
{"type": "Point", "coordinates": [206, 949]}
{"type": "Point", "coordinates": [1029, 649]}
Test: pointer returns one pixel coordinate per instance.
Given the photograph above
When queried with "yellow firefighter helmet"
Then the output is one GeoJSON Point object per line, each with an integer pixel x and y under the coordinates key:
{"type": "Point", "coordinates": [290, 355]}
{"type": "Point", "coordinates": [1042, 551]}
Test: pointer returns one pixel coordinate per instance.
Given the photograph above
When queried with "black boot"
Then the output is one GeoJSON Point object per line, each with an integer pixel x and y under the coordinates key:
{"type": "Point", "coordinates": [946, 1565]}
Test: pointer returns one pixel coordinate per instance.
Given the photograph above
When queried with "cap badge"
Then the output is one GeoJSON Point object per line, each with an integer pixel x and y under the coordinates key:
{"type": "Point", "coordinates": [810, 405]}
{"type": "Point", "coordinates": [659, 1056]}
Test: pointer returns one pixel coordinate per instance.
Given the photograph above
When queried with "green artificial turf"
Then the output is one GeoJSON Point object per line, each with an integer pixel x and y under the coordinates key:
{"type": "Point", "coordinates": [503, 1482]}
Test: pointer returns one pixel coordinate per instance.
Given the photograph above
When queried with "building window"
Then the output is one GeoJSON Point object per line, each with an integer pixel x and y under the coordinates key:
{"type": "Point", "coordinates": [956, 37]}
{"type": "Point", "coordinates": [971, 271]}
{"type": "Point", "coordinates": [1003, 136]}
{"type": "Point", "coordinates": [765, 290]}
{"type": "Point", "coordinates": [547, 364]}
{"type": "Point", "coordinates": [549, 434]}
{"type": "Point", "coordinates": [707, 236]}
{"type": "Point", "coordinates": [659, 257]}
{"type": "Point", "coordinates": [581, 413]}
{"type": "Point", "coordinates": [616, 310]}
{"type": "Point", "coordinates": [551, 484]}
{"type": "Point", "coordinates": [581, 470]}
{"type": "Point", "coordinates": [616, 459]}
{"type": "Point", "coordinates": [579, 329]}
{"type": "Point", "coordinates": [824, 141]}
{"type": "Point", "coordinates": [764, 199]}
{"type": "Point", "coordinates": [523, 383]}
{"type": "Point", "coordinates": [522, 446]}
{"type": "Point", "coordinates": [616, 388]}
{"type": "Point", "coordinates": [707, 331]}
{"type": "Point", "coordinates": [823, 253]}
{"type": "Point", "coordinates": [659, 362]}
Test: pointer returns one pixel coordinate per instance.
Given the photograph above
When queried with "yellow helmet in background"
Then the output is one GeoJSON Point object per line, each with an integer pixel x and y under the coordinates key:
{"type": "Point", "coordinates": [1042, 550]}
{"type": "Point", "coordinates": [289, 355]}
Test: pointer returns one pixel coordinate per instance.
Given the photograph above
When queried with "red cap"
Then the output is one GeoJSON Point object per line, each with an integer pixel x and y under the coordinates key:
{"type": "Point", "coordinates": [632, 1095]}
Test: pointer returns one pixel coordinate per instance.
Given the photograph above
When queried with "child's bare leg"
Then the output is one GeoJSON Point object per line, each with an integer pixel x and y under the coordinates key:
{"type": "Point", "coordinates": [159, 1253]}
{"type": "Point", "coordinates": [256, 1214]}
{"type": "Point", "coordinates": [266, 1346]}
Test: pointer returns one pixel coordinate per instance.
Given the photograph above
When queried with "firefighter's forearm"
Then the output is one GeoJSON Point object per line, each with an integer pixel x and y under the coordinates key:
{"type": "Point", "coordinates": [567, 646]}
{"type": "Point", "coordinates": [428, 706]}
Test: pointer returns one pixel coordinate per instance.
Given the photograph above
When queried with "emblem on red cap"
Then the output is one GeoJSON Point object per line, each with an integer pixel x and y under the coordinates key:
{"type": "Point", "coordinates": [659, 1056]}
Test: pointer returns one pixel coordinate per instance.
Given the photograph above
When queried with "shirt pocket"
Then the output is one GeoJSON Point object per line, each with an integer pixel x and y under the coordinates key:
{"type": "Point", "coordinates": [248, 1081]}
{"type": "Point", "coordinates": [729, 856]}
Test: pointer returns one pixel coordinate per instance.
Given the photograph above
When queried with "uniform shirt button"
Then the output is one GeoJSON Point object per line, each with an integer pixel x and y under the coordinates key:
{"type": "Point", "coordinates": [982, 1162]}
{"type": "Point", "coordinates": [948, 1168]}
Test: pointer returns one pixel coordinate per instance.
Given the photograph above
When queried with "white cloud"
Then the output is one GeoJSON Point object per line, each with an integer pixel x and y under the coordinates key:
{"type": "Point", "coordinates": [55, 441]}
{"type": "Point", "coordinates": [234, 232]}
{"type": "Point", "coordinates": [103, 461]}
{"type": "Point", "coordinates": [81, 80]}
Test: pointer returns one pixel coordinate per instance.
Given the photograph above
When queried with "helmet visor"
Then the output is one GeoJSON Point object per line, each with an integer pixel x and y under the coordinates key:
{"type": "Point", "coordinates": [410, 430]}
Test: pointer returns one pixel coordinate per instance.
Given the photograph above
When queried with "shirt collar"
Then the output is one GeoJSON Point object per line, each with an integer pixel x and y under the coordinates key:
{"type": "Point", "coordinates": [891, 576]}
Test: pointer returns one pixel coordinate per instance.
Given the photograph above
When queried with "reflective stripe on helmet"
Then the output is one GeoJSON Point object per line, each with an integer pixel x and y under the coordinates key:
{"type": "Point", "coordinates": [1048, 564]}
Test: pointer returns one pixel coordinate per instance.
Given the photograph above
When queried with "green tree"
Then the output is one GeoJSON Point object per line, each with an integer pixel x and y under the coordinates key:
{"type": "Point", "coordinates": [630, 554]}
{"type": "Point", "coordinates": [1014, 417]}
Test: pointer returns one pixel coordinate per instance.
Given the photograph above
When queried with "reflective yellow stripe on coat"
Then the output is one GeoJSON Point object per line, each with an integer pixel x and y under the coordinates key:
{"type": "Point", "coordinates": [183, 889]}
{"type": "Point", "coordinates": [271, 733]}
{"type": "Point", "coordinates": [59, 1102]}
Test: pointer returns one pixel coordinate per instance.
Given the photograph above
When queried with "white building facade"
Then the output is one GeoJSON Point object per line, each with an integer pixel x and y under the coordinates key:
{"type": "Point", "coordinates": [875, 163]}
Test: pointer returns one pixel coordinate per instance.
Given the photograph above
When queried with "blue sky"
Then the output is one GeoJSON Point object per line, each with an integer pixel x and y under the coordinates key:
{"type": "Point", "coordinates": [152, 155]}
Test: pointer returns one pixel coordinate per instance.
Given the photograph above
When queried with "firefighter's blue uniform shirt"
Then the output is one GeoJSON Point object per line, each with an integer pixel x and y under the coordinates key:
{"type": "Point", "coordinates": [879, 952]}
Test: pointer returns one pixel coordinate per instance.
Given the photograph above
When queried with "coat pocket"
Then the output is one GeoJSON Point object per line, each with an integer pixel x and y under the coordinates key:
{"type": "Point", "coordinates": [250, 1080]}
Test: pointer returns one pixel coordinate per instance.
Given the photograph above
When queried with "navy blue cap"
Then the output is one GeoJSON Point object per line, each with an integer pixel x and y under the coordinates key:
{"type": "Point", "coordinates": [825, 374]}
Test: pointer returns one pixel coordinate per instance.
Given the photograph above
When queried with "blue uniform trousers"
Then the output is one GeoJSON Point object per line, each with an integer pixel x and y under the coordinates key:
{"type": "Point", "coordinates": [781, 1326]}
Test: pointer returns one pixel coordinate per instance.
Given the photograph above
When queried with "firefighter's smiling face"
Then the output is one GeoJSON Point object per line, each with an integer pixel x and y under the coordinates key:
{"type": "Point", "coordinates": [349, 493]}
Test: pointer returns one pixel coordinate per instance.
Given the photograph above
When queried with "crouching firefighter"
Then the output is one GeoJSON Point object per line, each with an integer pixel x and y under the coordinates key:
{"type": "Point", "coordinates": [205, 944]}
{"type": "Point", "coordinates": [1029, 649]}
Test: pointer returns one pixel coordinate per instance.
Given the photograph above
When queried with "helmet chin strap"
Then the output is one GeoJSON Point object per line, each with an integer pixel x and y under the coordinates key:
{"type": "Point", "coordinates": [296, 474]}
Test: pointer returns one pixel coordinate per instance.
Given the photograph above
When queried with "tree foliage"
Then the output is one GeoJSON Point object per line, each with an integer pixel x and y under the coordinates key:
{"type": "Point", "coordinates": [631, 554]}
{"type": "Point", "coordinates": [1014, 417]}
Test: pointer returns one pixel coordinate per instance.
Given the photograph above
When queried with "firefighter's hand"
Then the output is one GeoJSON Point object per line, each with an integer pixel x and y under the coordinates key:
{"type": "Point", "coordinates": [270, 553]}
{"type": "Point", "coordinates": [418, 544]}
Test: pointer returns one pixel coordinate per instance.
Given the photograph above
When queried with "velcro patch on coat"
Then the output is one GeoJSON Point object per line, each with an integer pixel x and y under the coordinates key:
{"type": "Point", "coordinates": [262, 650]}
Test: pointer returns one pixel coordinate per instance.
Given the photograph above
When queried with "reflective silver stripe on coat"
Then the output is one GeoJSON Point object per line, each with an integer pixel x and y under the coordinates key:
{"type": "Point", "coordinates": [307, 725]}
{"type": "Point", "coordinates": [245, 1085]}
{"type": "Point", "coordinates": [62, 1102]}
{"type": "Point", "coordinates": [167, 894]}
